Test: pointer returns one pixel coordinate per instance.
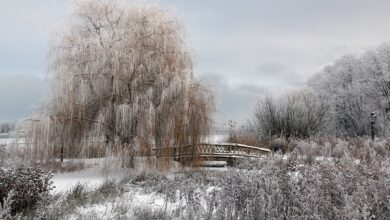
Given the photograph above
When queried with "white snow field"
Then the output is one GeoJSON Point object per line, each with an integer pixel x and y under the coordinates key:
{"type": "Point", "coordinates": [95, 173]}
{"type": "Point", "coordinates": [97, 170]}
{"type": "Point", "coordinates": [252, 188]}
{"type": "Point", "coordinates": [5, 139]}
{"type": "Point", "coordinates": [134, 199]}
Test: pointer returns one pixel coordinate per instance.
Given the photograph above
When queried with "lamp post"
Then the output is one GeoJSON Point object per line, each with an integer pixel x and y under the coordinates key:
{"type": "Point", "coordinates": [372, 121]}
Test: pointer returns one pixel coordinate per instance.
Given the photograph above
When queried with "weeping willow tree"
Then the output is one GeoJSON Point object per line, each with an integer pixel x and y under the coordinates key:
{"type": "Point", "coordinates": [121, 79]}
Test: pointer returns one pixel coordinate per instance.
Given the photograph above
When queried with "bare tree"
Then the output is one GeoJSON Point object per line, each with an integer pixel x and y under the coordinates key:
{"type": "Point", "coordinates": [121, 79]}
{"type": "Point", "coordinates": [298, 114]}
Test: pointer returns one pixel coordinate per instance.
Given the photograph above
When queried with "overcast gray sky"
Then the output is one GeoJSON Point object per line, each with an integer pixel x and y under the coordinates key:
{"type": "Point", "coordinates": [243, 49]}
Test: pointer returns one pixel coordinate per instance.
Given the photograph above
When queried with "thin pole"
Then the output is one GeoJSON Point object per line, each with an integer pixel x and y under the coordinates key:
{"type": "Point", "coordinates": [62, 153]}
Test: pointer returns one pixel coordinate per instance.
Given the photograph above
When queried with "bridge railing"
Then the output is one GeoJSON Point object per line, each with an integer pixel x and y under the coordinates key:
{"type": "Point", "coordinates": [205, 150]}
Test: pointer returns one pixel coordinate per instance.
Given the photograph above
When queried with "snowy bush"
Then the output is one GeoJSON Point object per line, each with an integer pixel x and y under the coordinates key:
{"type": "Point", "coordinates": [298, 114]}
{"type": "Point", "coordinates": [282, 187]}
{"type": "Point", "coordinates": [285, 188]}
{"type": "Point", "coordinates": [2, 155]}
{"type": "Point", "coordinates": [28, 186]}
{"type": "Point", "coordinates": [278, 144]}
{"type": "Point", "coordinates": [6, 208]}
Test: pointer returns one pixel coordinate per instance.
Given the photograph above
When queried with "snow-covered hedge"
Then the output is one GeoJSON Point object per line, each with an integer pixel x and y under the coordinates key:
{"type": "Point", "coordinates": [28, 185]}
{"type": "Point", "coordinates": [283, 187]}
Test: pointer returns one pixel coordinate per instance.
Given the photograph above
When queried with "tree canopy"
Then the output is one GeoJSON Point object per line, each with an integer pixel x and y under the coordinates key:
{"type": "Point", "coordinates": [355, 86]}
{"type": "Point", "coordinates": [121, 78]}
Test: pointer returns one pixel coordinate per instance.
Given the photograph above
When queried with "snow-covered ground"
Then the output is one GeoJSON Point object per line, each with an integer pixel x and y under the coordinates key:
{"type": "Point", "coordinates": [5, 139]}
{"type": "Point", "coordinates": [150, 194]}
{"type": "Point", "coordinates": [97, 170]}
{"type": "Point", "coordinates": [90, 177]}
{"type": "Point", "coordinates": [134, 199]}
{"type": "Point", "coordinates": [65, 181]}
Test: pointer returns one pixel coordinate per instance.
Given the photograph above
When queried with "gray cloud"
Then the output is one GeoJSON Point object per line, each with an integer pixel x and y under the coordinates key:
{"type": "Point", "coordinates": [273, 45]}
{"type": "Point", "coordinates": [233, 103]}
{"type": "Point", "coordinates": [272, 69]}
{"type": "Point", "coordinates": [276, 74]}
{"type": "Point", "coordinates": [26, 30]}
{"type": "Point", "coordinates": [234, 37]}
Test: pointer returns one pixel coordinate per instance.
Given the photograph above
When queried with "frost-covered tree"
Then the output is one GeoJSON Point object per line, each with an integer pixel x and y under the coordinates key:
{"type": "Point", "coordinates": [355, 86]}
{"type": "Point", "coordinates": [121, 79]}
{"type": "Point", "coordinates": [339, 85]}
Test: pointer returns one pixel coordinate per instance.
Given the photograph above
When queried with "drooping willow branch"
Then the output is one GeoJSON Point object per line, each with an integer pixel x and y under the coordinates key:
{"type": "Point", "coordinates": [121, 73]}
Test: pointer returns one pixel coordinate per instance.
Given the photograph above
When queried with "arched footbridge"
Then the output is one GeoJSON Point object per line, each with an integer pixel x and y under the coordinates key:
{"type": "Point", "coordinates": [214, 152]}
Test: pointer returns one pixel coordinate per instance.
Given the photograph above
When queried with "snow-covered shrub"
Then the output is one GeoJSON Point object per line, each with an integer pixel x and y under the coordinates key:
{"type": "Point", "coordinates": [2, 155]}
{"type": "Point", "coordinates": [78, 194]}
{"type": "Point", "coordinates": [271, 187]}
{"type": "Point", "coordinates": [106, 190]}
{"type": "Point", "coordinates": [284, 187]}
{"type": "Point", "coordinates": [148, 213]}
{"type": "Point", "coordinates": [29, 185]}
{"type": "Point", "coordinates": [278, 144]}
{"type": "Point", "coordinates": [298, 114]}
{"type": "Point", "coordinates": [6, 208]}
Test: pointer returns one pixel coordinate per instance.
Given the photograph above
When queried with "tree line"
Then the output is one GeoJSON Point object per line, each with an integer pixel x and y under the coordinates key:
{"type": "Point", "coordinates": [6, 127]}
{"type": "Point", "coordinates": [336, 101]}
